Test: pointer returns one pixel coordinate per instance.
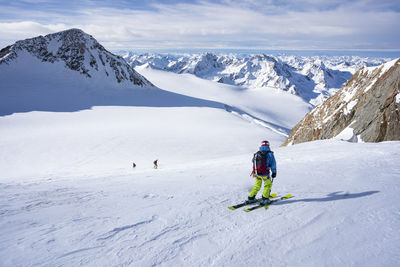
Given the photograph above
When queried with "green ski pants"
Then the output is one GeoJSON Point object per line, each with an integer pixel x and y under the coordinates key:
{"type": "Point", "coordinates": [257, 186]}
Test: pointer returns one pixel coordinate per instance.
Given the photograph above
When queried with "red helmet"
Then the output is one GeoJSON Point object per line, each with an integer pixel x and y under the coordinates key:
{"type": "Point", "coordinates": [265, 143]}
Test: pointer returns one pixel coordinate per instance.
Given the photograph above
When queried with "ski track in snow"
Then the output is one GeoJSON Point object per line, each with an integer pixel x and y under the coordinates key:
{"type": "Point", "coordinates": [273, 127]}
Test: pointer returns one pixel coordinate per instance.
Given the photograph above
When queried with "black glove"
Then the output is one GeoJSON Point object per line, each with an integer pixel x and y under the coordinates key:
{"type": "Point", "coordinates": [274, 175]}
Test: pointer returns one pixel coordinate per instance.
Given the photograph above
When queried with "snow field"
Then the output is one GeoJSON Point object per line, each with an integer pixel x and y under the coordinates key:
{"type": "Point", "coordinates": [109, 139]}
{"type": "Point", "coordinates": [69, 196]}
{"type": "Point", "coordinates": [179, 216]}
{"type": "Point", "coordinates": [94, 148]}
{"type": "Point", "coordinates": [275, 107]}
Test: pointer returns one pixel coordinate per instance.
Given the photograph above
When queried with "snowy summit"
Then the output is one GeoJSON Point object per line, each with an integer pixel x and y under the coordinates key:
{"type": "Point", "coordinates": [75, 50]}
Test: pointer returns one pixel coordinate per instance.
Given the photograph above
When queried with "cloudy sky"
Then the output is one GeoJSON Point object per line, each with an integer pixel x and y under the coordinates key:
{"type": "Point", "coordinates": [204, 24]}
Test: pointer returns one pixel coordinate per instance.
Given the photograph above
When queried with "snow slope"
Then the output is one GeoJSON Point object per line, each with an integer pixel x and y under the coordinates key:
{"type": "Point", "coordinates": [274, 109]}
{"type": "Point", "coordinates": [79, 210]}
{"type": "Point", "coordinates": [69, 195]}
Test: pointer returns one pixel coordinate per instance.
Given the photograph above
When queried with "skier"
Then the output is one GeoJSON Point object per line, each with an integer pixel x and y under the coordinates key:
{"type": "Point", "coordinates": [263, 163]}
{"type": "Point", "coordinates": [155, 164]}
{"type": "Point", "coordinates": [133, 164]}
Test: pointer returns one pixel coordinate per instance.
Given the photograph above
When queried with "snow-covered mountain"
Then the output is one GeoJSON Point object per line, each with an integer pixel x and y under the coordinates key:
{"type": "Point", "coordinates": [312, 78]}
{"type": "Point", "coordinates": [74, 50]}
{"type": "Point", "coordinates": [66, 71]}
{"type": "Point", "coordinates": [366, 108]}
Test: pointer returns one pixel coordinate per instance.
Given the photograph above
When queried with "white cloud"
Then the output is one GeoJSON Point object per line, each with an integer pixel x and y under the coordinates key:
{"type": "Point", "coordinates": [249, 23]}
{"type": "Point", "coordinates": [26, 29]}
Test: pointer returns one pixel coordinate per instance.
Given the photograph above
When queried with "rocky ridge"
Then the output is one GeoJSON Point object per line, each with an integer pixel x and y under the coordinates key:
{"type": "Point", "coordinates": [365, 109]}
{"type": "Point", "coordinates": [79, 52]}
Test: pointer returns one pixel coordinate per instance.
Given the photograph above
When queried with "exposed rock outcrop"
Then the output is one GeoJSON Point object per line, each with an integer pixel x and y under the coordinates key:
{"type": "Point", "coordinates": [365, 109]}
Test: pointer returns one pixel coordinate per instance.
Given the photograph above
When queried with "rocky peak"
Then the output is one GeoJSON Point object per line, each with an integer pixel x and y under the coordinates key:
{"type": "Point", "coordinates": [206, 63]}
{"type": "Point", "coordinates": [365, 109]}
{"type": "Point", "coordinates": [79, 52]}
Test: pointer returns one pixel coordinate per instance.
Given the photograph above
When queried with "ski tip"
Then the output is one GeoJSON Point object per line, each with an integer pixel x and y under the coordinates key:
{"type": "Point", "coordinates": [246, 210]}
{"type": "Point", "coordinates": [231, 208]}
{"type": "Point", "coordinates": [273, 195]}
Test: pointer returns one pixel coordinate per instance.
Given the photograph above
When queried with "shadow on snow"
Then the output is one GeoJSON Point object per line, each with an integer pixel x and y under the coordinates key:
{"type": "Point", "coordinates": [340, 195]}
{"type": "Point", "coordinates": [15, 100]}
{"type": "Point", "coordinates": [49, 97]}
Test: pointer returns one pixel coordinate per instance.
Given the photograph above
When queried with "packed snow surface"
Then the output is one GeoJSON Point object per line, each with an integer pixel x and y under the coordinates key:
{"type": "Point", "coordinates": [69, 195]}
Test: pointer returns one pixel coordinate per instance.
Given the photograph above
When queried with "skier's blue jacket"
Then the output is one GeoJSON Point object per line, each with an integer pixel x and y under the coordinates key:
{"type": "Point", "coordinates": [270, 161]}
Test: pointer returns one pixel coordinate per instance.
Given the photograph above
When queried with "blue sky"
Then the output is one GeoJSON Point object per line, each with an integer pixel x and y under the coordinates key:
{"type": "Point", "coordinates": [210, 25]}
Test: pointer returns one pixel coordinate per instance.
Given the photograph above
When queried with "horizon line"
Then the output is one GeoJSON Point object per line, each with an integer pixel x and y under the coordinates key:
{"type": "Point", "coordinates": [393, 53]}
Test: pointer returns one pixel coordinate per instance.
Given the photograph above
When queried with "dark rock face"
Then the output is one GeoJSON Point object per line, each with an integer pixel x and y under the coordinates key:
{"type": "Point", "coordinates": [368, 105]}
{"type": "Point", "coordinates": [79, 51]}
{"type": "Point", "coordinates": [5, 51]}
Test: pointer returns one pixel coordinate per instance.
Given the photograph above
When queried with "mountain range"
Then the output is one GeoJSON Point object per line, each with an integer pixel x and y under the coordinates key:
{"type": "Point", "coordinates": [314, 79]}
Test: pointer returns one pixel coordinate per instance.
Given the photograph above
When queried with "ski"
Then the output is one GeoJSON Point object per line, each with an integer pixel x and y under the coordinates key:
{"type": "Point", "coordinates": [272, 202]}
{"type": "Point", "coordinates": [247, 203]}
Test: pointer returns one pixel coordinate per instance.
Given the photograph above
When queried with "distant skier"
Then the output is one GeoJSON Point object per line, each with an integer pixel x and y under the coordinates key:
{"type": "Point", "coordinates": [133, 165]}
{"type": "Point", "coordinates": [263, 163]}
{"type": "Point", "coordinates": [155, 164]}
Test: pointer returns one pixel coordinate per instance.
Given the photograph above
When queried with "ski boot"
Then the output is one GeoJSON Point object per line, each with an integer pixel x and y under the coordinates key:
{"type": "Point", "coordinates": [265, 201]}
{"type": "Point", "coordinates": [251, 200]}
